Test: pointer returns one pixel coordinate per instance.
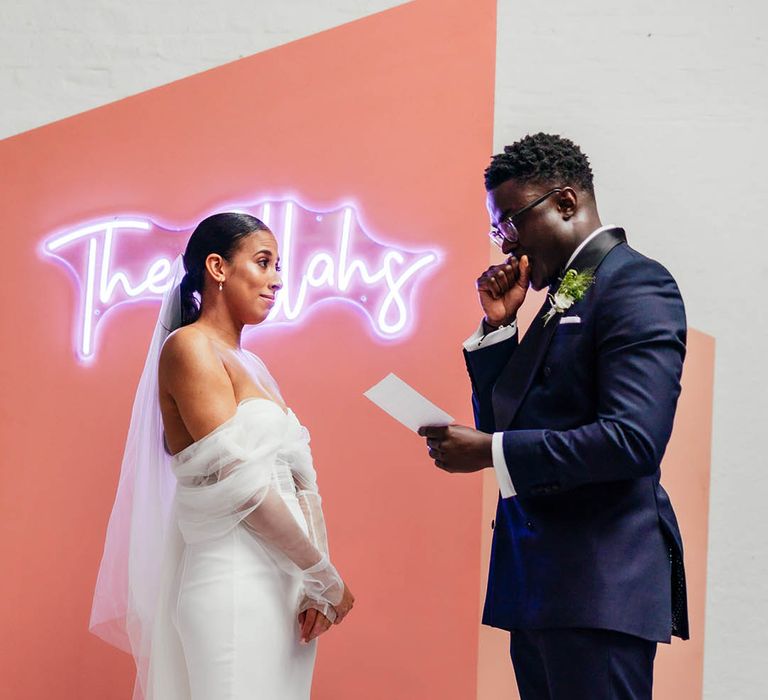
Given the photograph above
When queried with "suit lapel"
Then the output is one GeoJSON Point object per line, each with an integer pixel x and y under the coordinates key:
{"type": "Point", "coordinates": [516, 378]}
{"type": "Point", "coordinates": [590, 257]}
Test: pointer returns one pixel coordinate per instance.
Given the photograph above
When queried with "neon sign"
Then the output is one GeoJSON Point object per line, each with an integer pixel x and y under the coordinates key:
{"type": "Point", "coordinates": [325, 256]}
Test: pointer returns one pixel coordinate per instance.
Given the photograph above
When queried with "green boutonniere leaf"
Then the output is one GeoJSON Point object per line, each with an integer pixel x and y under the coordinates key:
{"type": "Point", "coordinates": [573, 287]}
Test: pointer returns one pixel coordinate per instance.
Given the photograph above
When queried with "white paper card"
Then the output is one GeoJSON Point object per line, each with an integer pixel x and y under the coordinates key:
{"type": "Point", "coordinates": [405, 404]}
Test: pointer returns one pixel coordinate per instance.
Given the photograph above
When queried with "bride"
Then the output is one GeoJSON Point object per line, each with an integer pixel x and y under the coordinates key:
{"type": "Point", "coordinates": [215, 572]}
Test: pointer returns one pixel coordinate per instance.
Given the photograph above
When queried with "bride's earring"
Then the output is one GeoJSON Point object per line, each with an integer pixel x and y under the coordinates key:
{"type": "Point", "coordinates": [221, 285]}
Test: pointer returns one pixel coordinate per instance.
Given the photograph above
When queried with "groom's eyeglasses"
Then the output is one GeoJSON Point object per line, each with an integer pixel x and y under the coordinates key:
{"type": "Point", "coordinates": [506, 230]}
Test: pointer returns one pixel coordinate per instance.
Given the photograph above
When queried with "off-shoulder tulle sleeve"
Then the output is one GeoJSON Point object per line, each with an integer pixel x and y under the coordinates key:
{"type": "Point", "coordinates": [226, 479]}
{"type": "Point", "coordinates": [299, 457]}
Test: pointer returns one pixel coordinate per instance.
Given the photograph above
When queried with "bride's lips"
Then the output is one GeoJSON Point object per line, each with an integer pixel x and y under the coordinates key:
{"type": "Point", "coordinates": [269, 299]}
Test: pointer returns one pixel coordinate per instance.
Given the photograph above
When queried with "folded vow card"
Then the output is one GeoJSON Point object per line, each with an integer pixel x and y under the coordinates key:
{"type": "Point", "coordinates": [405, 404]}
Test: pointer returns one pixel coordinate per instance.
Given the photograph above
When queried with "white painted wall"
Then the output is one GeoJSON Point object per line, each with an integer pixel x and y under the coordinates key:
{"type": "Point", "coordinates": [62, 57]}
{"type": "Point", "coordinates": [669, 100]}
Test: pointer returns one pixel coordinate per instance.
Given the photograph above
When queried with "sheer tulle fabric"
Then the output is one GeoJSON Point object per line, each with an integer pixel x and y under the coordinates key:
{"type": "Point", "coordinates": [228, 477]}
{"type": "Point", "coordinates": [239, 483]}
{"type": "Point", "coordinates": [247, 492]}
{"type": "Point", "coordinates": [129, 578]}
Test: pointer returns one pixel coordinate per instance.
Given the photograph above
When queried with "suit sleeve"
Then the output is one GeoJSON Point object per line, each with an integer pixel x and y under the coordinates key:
{"type": "Point", "coordinates": [484, 367]}
{"type": "Point", "coordinates": [640, 343]}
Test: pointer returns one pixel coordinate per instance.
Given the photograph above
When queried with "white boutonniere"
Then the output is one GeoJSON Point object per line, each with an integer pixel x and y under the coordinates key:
{"type": "Point", "coordinates": [573, 287]}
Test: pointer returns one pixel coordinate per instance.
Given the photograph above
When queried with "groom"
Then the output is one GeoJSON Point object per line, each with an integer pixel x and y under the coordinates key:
{"type": "Point", "coordinates": [587, 560]}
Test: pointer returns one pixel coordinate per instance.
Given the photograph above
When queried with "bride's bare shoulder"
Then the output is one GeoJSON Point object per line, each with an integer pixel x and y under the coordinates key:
{"type": "Point", "coordinates": [196, 393]}
{"type": "Point", "coordinates": [186, 343]}
{"type": "Point", "coordinates": [189, 351]}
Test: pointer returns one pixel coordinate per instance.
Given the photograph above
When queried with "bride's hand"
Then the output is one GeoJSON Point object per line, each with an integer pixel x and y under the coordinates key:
{"type": "Point", "coordinates": [313, 623]}
{"type": "Point", "coordinates": [347, 601]}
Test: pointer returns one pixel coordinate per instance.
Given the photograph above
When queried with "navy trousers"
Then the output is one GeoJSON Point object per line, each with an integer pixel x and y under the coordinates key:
{"type": "Point", "coordinates": [582, 664]}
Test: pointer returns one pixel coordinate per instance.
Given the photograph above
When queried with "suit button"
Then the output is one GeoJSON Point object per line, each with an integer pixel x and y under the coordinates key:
{"type": "Point", "coordinates": [529, 525]}
{"type": "Point", "coordinates": [547, 371]}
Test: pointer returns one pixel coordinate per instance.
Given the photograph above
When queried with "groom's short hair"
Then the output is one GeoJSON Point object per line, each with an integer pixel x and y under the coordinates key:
{"type": "Point", "coordinates": [545, 158]}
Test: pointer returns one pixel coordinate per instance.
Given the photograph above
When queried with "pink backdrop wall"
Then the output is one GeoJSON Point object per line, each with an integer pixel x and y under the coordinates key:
{"type": "Point", "coordinates": [393, 114]}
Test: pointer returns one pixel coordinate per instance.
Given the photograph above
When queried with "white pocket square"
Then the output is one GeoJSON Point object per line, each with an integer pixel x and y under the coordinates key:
{"type": "Point", "coordinates": [570, 319]}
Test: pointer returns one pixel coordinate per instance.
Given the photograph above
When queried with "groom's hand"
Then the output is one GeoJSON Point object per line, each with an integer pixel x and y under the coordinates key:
{"type": "Point", "coordinates": [457, 449]}
{"type": "Point", "coordinates": [502, 289]}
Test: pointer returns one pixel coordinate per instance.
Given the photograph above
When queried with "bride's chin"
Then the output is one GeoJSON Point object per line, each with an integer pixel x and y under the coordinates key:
{"type": "Point", "coordinates": [263, 315]}
{"type": "Point", "coordinates": [255, 320]}
{"type": "Point", "coordinates": [252, 317]}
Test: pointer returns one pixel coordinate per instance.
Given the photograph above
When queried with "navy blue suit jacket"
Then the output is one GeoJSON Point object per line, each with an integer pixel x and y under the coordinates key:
{"type": "Point", "coordinates": [591, 539]}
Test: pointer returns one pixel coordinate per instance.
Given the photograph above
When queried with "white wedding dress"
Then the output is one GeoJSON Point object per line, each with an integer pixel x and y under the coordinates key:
{"type": "Point", "coordinates": [249, 554]}
{"type": "Point", "coordinates": [210, 555]}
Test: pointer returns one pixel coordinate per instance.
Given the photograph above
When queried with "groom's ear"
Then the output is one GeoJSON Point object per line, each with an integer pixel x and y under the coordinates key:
{"type": "Point", "coordinates": [567, 202]}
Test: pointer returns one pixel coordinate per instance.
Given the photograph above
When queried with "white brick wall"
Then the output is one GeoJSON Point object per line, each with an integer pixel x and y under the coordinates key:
{"type": "Point", "coordinates": [669, 99]}
{"type": "Point", "coordinates": [61, 57]}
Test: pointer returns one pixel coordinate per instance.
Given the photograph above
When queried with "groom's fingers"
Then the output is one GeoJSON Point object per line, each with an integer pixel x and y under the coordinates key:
{"type": "Point", "coordinates": [506, 276]}
{"type": "Point", "coordinates": [525, 272]}
{"type": "Point", "coordinates": [433, 431]}
{"type": "Point", "coordinates": [495, 285]}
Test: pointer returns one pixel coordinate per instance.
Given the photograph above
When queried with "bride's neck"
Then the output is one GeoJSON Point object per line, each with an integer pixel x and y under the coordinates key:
{"type": "Point", "coordinates": [218, 322]}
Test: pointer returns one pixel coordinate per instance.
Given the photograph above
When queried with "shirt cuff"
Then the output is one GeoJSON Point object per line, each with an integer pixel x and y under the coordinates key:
{"type": "Point", "coordinates": [500, 467]}
{"type": "Point", "coordinates": [480, 340]}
